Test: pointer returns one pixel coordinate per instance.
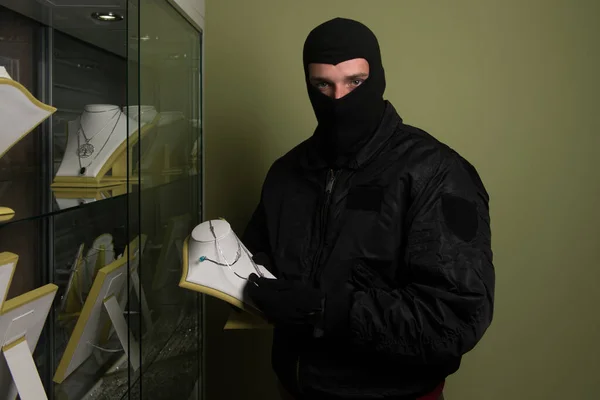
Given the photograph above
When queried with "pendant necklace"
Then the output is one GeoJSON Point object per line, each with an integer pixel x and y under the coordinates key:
{"type": "Point", "coordinates": [83, 169]}
{"type": "Point", "coordinates": [87, 149]}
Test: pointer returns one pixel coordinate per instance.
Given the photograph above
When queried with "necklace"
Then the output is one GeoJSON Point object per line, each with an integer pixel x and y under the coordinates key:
{"type": "Point", "coordinates": [87, 149]}
{"type": "Point", "coordinates": [90, 147]}
{"type": "Point", "coordinates": [237, 254]}
{"type": "Point", "coordinates": [225, 264]}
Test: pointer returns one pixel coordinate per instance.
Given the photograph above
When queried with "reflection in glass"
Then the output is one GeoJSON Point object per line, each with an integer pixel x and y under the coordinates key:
{"type": "Point", "coordinates": [169, 76]}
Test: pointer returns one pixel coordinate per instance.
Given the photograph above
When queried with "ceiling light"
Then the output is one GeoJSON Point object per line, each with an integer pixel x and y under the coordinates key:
{"type": "Point", "coordinates": [107, 16]}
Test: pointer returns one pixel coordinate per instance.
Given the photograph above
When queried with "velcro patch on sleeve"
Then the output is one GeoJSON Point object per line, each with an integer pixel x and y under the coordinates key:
{"type": "Point", "coordinates": [460, 216]}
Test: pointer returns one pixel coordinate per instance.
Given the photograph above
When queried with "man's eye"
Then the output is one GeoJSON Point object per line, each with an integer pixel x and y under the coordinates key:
{"type": "Point", "coordinates": [357, 82]}
{"type": "Point", "coordinates": [321, 85]}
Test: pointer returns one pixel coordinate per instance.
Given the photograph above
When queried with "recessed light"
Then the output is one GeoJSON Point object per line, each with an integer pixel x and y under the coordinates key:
{"type": "Point", "coordinates": [107, 16]}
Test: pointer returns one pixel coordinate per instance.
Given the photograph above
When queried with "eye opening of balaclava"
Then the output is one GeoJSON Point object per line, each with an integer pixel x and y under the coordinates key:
{"type": "Point", "coordinates": [347, 123]}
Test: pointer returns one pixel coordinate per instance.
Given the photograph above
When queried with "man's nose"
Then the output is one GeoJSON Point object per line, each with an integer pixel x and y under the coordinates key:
{"type": "Point", "coordinates": [340, 91]}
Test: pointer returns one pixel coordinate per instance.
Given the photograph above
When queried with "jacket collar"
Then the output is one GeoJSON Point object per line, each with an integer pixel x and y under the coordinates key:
{"type": "Point", "coordinates": [312, 159]}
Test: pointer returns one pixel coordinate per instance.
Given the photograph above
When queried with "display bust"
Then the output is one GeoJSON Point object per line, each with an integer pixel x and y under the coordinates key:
{"type": "Point", "coordinates": [20, 112]}
{"type": "Point", "coordinates": [94, 137]}
{"type": "Point", "coordinates": [218, 264]}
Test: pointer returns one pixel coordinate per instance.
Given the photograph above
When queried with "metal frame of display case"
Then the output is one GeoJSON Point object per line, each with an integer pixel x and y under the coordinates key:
{"type": "Point", "coordinates": [193, 12]}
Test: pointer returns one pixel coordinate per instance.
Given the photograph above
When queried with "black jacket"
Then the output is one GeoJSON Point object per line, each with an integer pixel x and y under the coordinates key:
{"type": "Point", "coordinates": [400, 242]}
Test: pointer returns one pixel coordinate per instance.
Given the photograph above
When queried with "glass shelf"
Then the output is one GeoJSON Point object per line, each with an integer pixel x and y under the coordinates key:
{"type": "Point", "coordinates": [65, 200]}
{"type": "Point", "coordinates": [143, 196]}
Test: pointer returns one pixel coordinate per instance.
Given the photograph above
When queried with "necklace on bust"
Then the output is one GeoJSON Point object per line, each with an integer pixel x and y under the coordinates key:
{"type": "Point", "coordinates": [237, 255]}
{"type": "Point", "coordinates": [87, 149]}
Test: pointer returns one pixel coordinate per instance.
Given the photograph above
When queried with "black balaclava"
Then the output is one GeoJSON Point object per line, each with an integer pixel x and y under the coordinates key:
{"type": "Point", "coordinates": [345, 124]}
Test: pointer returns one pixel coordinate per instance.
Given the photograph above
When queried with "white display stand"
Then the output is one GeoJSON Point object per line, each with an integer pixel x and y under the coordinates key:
{"type": "Point", "coordinates": [114, 127]}
{"type": "Point", "coordinates": [112, 134]}
{"type": "Point", "coordinates": [21, 322]}
{"type": "Point", "coordinates": [100, 307]}
{"type": "Point", "coordinates": [143, 114]}
{"type": "Point", "coordinates": [170, 134]}
{"type": "Point", "coordinates": [20, 112]}
{"type": "Point", "coordinates": [221, 281]}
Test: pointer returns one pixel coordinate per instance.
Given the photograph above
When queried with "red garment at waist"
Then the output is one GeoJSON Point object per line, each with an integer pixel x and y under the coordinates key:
{"type": "Point", "coordinates": [435, 394]}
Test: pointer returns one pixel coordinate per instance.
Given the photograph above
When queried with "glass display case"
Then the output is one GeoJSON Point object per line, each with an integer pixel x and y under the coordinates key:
{"type": "Point", "coordinates": [100, 184]}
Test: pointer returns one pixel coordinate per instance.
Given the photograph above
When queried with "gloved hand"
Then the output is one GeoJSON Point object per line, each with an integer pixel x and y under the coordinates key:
{"type": "Point", "coordinates": [286, 302]}
{"type": "Point", "coordinates": [265, 260]}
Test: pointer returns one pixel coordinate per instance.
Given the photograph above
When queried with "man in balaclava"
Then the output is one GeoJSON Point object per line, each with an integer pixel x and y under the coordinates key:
{"type": "Point", "coordinates": [378, 235]}
{"type": "Point", "coordinates": [346, 123]}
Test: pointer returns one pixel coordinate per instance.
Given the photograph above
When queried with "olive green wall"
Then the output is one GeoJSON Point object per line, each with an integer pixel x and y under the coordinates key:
{"type": "Point", "coordinates": [511, 85]}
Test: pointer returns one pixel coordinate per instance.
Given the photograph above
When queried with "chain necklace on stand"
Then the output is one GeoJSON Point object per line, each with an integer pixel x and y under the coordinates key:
{"type": "Point", "coordinates": [225, 264]}
{"type": "Point", "coordinates": [237, 255]}
{"type": "Point", "coordinates": [89, 150]}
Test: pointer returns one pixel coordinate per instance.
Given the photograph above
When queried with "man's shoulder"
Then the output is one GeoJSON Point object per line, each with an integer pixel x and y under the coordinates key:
{"type": "Point", "coordinates": [422, 146]}
{"type": "Point", "coordinates": [432, 157]}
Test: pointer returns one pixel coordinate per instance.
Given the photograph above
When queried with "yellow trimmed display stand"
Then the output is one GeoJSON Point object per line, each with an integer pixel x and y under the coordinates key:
{"type": "Point", "coordinates": [22, 319]}
{"type": "Point", "coordinates": [20, 113]}
{"type": "Point", "coordinates": [116, 165]}
{"type": "Point", "coordinates": [248, 317]}
{"type": "Point", "coordinates": [100, 308]}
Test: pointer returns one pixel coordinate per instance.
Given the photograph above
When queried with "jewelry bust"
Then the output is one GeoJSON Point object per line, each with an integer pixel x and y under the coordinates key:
{"type": "Point", "coordinates": [218, 263]}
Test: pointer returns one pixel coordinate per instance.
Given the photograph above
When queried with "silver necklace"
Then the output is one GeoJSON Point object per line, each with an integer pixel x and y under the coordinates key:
{"type": "Point", "coordinates": [83, 169]}
{"type": "Point", "coordinates": [86, 149]}
{"type": "Point", "coordinates": [225, 264]}
{"type": "Point", "coordinates": [237, 255]}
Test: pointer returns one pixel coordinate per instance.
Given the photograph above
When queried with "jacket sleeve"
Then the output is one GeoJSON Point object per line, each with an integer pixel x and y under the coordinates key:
{"type": "Point", "coordinates": [447, 305]}
{"type": "Point", "coordinates": [256, 238]}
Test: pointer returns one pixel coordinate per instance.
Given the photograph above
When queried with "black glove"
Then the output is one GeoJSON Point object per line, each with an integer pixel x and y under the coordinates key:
{"type": "Point", "coordinates": [285, 302]}
{"type": "Point", "coordinates": [265, 260]}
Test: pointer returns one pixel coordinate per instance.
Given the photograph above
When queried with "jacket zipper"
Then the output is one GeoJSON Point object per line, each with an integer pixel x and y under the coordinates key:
{"type": "Point", "coordinates": [298, 387]}
{"type": "Point", "coordinates": [331, 176]}
{"type": "Point", "coordinates": [323, 223]}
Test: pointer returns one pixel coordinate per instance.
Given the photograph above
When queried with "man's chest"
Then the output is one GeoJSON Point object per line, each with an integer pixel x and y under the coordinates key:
{"type": "Point", "coordinates": [333, 216]}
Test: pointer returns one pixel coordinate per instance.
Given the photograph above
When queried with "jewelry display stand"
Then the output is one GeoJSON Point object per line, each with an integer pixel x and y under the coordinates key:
{"type": "Point", "coordinates": [20, 113]}
{"type": "Point", "coordinates": [165, 140]}
{"type": "Point", "coordinates": [97, 143]}
{"type": "Point", "coordinates": [134, 252]}
{"type": "Point", "coordinates": [100, 307]}
{"type": "Point", "coordinates": [216, 263]}
{"type": "Point", "coordinates": [21, 322]}
{"type": "Point", "coordinates": [194, 159]}
{"type": "Point", "coordinates": [67, 197]}
{"type": "Point", "coordinates": [72, 299]}
{"type": "Point", "coordinates": [6, 214]}
{"type": "Point", "coordinates": [146, 114]}
{"type": "Point", "coordinates": [156, 164]}
{"type": "Point", "coordinates": [99, 255]}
